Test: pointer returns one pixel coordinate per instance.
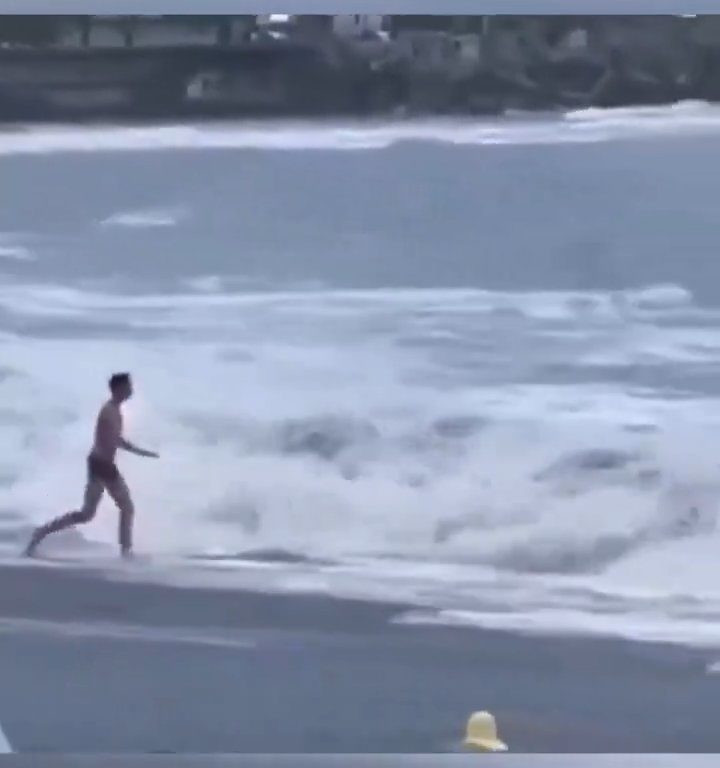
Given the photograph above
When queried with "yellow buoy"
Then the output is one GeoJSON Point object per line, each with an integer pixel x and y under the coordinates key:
{"type": "Point", "coordinates": [482, 734]}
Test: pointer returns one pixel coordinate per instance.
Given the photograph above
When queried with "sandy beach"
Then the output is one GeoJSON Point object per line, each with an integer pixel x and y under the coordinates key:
{"type": "Point", "coordinates": [91, 665]}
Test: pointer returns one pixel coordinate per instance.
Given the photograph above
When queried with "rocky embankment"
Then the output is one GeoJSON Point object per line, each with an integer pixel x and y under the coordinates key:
{"type": "Point", "coordinates": [520, 62]}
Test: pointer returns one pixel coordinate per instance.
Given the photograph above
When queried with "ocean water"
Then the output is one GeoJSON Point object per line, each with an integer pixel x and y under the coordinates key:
{"type": "Point", "coordinates": [470, 366]}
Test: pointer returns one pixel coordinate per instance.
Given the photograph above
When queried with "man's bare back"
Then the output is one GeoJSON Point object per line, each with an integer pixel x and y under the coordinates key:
{"type": "Point", "coordinates": [102, 472]}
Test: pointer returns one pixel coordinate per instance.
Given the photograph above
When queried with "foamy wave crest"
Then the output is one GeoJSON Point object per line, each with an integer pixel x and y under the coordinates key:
{"type": "Point", "coordinates": [576, 127]}
{"type": "Point", "coordinates": [216, 294]}
{"type": "Point", "coordinates": [683, 109]}
{"type": "Point", "coordinates": [205, 284]}
{"type": "Point", "coordinates": [146, 219]}
{"type": "Point", "coordinates": [659, 628]}
{"type": "Point", "coordinates": [16, 253]}
{"type": "Point", "coordinates": [660, 297]}
{"type": "Point", "coordinates": [13, 248]}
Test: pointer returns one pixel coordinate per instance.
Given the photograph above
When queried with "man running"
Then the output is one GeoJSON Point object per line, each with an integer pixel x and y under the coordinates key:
{"type": "Point", "coordinates": [102, 473]}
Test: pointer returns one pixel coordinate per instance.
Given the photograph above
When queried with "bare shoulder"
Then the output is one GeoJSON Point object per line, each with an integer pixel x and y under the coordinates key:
{"type": "Point", "coordinates": [109, 412]}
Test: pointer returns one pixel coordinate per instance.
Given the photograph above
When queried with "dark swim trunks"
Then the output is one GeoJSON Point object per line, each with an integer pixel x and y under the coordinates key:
{"type": "Point", "coordinates": [101, 469]}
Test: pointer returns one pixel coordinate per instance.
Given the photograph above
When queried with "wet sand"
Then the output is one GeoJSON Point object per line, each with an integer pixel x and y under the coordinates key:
{"type": "Point", "coordinates": [91, 665]}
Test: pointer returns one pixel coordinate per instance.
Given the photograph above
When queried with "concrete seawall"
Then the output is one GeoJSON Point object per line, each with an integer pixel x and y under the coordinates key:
{"type": "Point", "coordinates": [168, 82]}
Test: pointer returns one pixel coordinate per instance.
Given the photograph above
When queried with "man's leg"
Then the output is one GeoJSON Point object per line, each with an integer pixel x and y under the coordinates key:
{"type": "Point", "coordinates": [120, 494]}
{"type": "Point", "coordinates": [93, 494]}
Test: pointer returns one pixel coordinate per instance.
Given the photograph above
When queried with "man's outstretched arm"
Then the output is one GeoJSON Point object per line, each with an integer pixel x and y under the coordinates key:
{"type": "Point", "coordinates": [126, 445]}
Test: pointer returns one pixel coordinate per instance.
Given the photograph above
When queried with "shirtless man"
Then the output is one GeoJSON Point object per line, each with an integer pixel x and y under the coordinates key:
{"type": "Point", "coordinates": [102, 473]}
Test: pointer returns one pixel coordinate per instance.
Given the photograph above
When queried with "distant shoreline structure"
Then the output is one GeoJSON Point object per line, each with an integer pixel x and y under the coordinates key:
{"type": "Point", "coordinates": [172, 67]}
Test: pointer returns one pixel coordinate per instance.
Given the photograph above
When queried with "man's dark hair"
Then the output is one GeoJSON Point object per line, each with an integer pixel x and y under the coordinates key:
{"type": "Point", "coordinates": [118, 380]}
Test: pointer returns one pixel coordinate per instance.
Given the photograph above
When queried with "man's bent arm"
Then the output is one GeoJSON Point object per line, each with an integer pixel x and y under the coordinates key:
{"type": "Point", "coordinates": [126, 445]}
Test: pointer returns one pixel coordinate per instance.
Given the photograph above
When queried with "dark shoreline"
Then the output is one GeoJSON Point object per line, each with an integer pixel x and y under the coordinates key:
{"type": "Point", "coordinates": [526, 63]}
{"type": "Point", "coordinates": [250, 672]}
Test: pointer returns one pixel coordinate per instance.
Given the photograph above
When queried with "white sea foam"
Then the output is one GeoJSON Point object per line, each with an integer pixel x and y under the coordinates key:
{"type": "Point", "coordinates": [150, 218]}
{"type": "Point", "coordinates": [13, 247]}
{"type": "Point", "coordinates": [16, 253]}
{"type": "Point", "coordinates": [651, 627]}
{"type": "Point", "coordinates": [694, 118]}
{"type": "Point", "coordinates": [284, 426]}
